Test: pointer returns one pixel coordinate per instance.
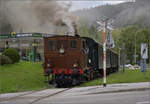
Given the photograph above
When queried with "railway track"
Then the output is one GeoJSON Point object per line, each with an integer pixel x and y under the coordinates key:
{"type": "Point", "coordinates": [11, 98]}
{"type": "Point", "coordinates": [34, 101]}
{"type": "Point", "coordinates": [20, 95]}
{"type": "Point", "coordinates": [50, 95]}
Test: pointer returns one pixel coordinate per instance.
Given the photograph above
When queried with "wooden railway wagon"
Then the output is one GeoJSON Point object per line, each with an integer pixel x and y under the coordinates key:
{"type": "Point", "coordinates": [73, 59]}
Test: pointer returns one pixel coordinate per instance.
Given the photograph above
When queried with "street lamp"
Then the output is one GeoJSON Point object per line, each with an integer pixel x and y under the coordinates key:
{"type": "Point", "coordinates": [135, 49]}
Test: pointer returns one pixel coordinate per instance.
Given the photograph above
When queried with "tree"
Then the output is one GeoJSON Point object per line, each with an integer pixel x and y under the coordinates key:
{"type": "Point", "coordinates": [116, 37]}
{"type": "Point", "coordinates": [90, 31]}
{"type": "Point", "coordinates": [132, 36]}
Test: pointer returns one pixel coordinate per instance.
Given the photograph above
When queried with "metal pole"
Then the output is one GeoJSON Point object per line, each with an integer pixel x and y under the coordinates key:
{"type": "Point", "coordinates": [135, 50]}
{"type": "Point", "coordinates": [34, 50]}
{"type": "Point", "coordinates": [20, 46]}
{"type": "Point", "coordinates": [149, 49]}
{"type": "Point", "coordinates": [1, 19]}
{"type": "Point", "coordinates": [104, 54]}
{"type": "Point", "coordinates": [119, 62]}
{"type": "Point", "coordinates": [119, 58]}
{"type": "Point", "coordinates": [123, 56]}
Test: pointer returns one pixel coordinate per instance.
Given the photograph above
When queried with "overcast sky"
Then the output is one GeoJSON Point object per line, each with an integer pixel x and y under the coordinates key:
{"type": "Point", "coordinates": [76, 5]}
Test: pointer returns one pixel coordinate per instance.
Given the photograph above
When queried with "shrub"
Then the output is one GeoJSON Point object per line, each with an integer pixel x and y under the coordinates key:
{"type": "Point", "coordinates": [13, 54]}
{"type": "Point", "coordinates": [5, 60]}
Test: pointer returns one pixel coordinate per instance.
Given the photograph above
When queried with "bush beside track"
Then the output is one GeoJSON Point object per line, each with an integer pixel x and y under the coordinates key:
{"type": "Point", "coordinates": [21, 76]}
{"type": "Point", "coordinates": [130, 76]}
{"type": "Point", "coordinates": [5, 60]}
{"type": "Point", "coordinates": [13, 54]}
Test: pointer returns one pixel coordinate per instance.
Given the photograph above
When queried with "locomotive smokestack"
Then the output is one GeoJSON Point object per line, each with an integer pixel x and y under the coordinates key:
{"type": "Point", "coordinates": [76, 33]}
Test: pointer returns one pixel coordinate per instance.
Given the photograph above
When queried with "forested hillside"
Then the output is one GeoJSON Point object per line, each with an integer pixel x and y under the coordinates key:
{"type": "Point", "coordinates": [124, 14]}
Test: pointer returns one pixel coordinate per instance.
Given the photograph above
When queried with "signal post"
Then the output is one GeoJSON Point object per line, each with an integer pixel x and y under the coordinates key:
{"type": "Point", "coordinates": [104, 54]}
{"type": "Point", "coordinates": [103, 26]}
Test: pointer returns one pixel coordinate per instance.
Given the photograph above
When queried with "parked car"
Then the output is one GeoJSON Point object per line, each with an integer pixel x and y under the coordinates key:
{"type": "Point", "coordinates": [136, 66]}
{"type": "Point", "coordinates": [128, 66]}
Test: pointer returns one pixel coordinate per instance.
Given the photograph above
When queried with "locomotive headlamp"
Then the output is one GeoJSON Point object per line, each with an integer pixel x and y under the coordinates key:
{"type": "Point", "coordinates": [75, 65]}
{"type": "Point", "coordinates": [61, 50]}
{"type": "Point", "coordinates": [89, 61]}
{"type": "Point", "coordinates": [49, 63]}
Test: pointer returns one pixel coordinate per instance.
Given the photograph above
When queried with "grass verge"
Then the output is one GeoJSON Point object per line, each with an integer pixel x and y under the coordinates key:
{"type": "Point", "coordinates": [21, 76]}
{"type": "Point", "coordinates": [130, 76]}
{"type": "Point", "coordinates": [25, 76]}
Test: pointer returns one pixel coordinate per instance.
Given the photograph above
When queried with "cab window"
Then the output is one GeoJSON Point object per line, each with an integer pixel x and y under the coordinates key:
{"type": "Point", "coordinates": [62, 44]}
{"type": "Point", "coordinates": [51, 45]}
{"type": "Point", "coordinates": [73, 44]}
{"type": "Point", "coordinates": [85, 49]}
{"type": "Point", "coordinates": [83, 44]}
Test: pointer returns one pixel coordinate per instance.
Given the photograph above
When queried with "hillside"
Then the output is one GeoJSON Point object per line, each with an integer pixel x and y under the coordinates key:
{"type": "Point", "coordinates": [124, 14]}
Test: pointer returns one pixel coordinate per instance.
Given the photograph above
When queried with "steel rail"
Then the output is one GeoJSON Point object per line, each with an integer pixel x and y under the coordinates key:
{"type": "Point", "coordinates": [50, 95]}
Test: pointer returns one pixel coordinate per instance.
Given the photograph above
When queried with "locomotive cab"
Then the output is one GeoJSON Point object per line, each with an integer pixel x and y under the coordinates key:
{"type": "Point", "coordinates": [64, 58]}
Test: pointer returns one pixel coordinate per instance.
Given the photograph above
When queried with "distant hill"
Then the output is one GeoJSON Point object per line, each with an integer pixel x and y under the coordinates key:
{"type": "Point", "coordinates": [125, 13]}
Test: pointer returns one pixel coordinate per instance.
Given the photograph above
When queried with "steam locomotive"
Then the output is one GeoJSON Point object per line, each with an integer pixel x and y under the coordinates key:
{"type": "Point", "coordinates": [70, 60]}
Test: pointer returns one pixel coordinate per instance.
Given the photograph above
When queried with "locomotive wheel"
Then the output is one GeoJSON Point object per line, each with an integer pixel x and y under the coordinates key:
{"type": "Point", "coordinates": [91, 75]}
{"type": "Point", "coordinates": [74, 81]}
{"type": "Point", "coordinates": [88, 75]}
{"type": "Point", "coordinates": [54, 83]}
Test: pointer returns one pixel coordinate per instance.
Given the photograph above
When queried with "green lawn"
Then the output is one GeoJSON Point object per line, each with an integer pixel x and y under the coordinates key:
{"type": "Point", "coordinates": [25, 76]}
{"type": "Point", "coordinates": [21, 76]}
{"type": "Point", "coordinates": [130, 76]}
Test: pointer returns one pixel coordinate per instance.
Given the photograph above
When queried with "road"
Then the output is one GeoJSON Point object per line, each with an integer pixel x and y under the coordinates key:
{"type": "Point", "coordinates": [135, 97]}
{"type": "Point", "coordinates": [109, 98]}
{"type": "Point", "coordinates": [88, 95]}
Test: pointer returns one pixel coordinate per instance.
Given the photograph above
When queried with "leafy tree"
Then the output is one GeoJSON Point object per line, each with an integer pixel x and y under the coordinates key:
{"type": "Point", "coordinates": [127, 36]}
{"type": "Point", "coordinates": [132, 36]}
{"type": "Point", "coordinates": [83, 29]}
{"type": "Point", "coordinates": [90, 31]}
{"type": "Point", "coordinates": [116, 37]}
